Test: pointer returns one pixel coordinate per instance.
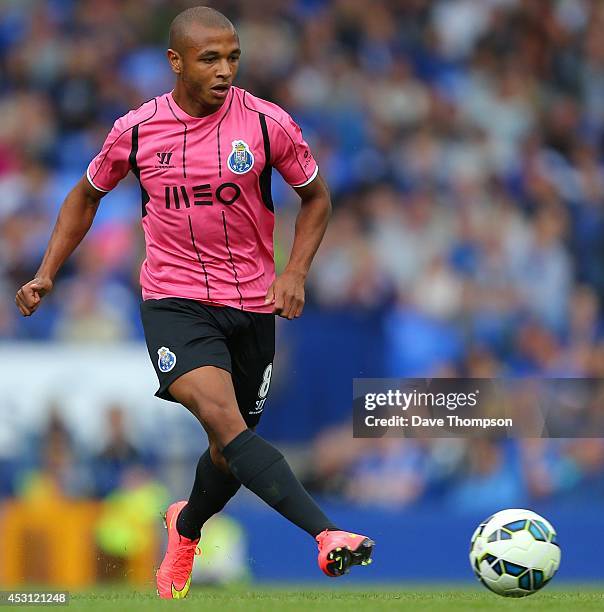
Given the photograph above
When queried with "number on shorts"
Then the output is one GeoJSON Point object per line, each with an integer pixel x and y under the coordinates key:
{"type": "Point", "coordinates": [266, 381]}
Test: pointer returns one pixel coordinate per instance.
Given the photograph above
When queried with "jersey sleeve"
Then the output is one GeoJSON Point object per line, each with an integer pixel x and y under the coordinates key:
{"type": "Point", "coordinates": [290, 153]}
{"type": "Point", "coordinates": [112, 164]}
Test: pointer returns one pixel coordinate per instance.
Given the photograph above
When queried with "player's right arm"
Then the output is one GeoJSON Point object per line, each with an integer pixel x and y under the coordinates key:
{"type": "Point", "coordinates": [74, 221]}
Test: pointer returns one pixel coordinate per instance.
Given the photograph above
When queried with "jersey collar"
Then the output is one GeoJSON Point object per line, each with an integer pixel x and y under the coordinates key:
{"type": "Point", "coordinates": [208, 119]}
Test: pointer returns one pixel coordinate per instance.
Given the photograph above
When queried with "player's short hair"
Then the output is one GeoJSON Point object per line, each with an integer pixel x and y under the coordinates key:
{"type": "Point", "coordinates": [202, 15]}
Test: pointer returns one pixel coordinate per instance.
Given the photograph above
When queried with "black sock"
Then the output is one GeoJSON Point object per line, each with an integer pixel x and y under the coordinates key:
{"type": "Point", "coordinates": [261, 468]}
{"type": "Point", "coordinates": [212, 489]}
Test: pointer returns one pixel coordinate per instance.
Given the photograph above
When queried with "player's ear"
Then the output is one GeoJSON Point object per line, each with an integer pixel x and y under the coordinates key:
{"type": "Point", "coordinates": [175, 61]}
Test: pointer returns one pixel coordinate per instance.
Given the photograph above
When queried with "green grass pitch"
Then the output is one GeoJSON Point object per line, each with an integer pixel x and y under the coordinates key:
{"type": "Point", "coordinates": [389, 597]}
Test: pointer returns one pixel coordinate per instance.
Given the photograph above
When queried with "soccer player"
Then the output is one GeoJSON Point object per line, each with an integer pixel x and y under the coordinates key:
{"type": "Point", "coordinates": [203, 155]}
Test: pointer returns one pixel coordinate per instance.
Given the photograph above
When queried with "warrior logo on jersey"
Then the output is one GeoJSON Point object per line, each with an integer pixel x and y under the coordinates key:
{"type": "Point", "coordinates": [167, 359]}
{"type": "Point", "coordinates": [241, 158]}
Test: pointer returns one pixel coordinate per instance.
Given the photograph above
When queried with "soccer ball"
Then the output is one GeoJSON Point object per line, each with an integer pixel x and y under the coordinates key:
{"type": "Point", "coordinates": [515, 552]}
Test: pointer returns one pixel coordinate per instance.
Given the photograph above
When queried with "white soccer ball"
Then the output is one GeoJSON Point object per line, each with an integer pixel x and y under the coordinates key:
{"type": "Point", "coordinates": [515, 552]}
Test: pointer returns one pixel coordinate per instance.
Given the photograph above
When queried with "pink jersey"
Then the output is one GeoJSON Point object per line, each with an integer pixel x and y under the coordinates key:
{"type": "Point", "coordinates": [207, 210]}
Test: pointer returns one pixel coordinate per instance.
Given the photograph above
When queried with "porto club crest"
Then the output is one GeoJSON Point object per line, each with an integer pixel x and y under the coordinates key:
{"type": "Point", "coordinates": [166, 360]}
{"type": "Point", "coordinates": [241, 158]}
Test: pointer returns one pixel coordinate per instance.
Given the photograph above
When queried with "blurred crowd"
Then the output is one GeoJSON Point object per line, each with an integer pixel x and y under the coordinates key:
{"type": "Point", "coordinates": [52, 457]}
{"type": "Point", "coordinates": [462, 475]}
{"type": "Point", "coordinates": [466, 476]}
{"type": "Point", "coordinates": [463, 144]}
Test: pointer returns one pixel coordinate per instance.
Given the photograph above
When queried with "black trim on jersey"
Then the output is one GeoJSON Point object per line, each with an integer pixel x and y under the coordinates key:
{"type": "Point", "coordinates": [218, 132]}
{"type": "Point", "coordinates": [265, 176]}
{"type": "Point", "coordinates": [199, 259]}
{"type": "Point", "coordinates": [132, 159]}
{"type": "Point", "coordinates": [294, 147]}
{"type": "Point", "coordinates": [121, 134]}
{"type": "Point", "coordinates": [226, 240]}
{"type": "Point", "coordinates": [286, 132]}
{"type": "Point", "coordinates": [184, 140]}
{"type": "Point", "coordinates": [137, 171]}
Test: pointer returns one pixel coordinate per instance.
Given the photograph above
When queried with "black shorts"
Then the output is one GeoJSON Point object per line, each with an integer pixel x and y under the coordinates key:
{"type": "Point", "coordinates": [184, 334]}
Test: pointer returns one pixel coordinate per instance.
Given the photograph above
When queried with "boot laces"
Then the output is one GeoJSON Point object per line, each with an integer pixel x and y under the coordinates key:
{"type": "Point", "coordinates": [182, 563]}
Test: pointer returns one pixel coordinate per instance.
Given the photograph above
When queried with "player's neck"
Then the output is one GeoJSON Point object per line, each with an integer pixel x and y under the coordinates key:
{"type": "Point", "coordinates": [192, 107]}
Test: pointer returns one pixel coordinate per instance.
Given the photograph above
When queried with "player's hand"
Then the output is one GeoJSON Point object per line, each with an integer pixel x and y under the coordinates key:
{"type": "Point", "coordinates": [287, 295]}
{"type": "Point", "coordinates": [28, 298]}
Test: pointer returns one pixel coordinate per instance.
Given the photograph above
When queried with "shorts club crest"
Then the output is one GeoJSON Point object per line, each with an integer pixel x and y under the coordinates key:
{"type": "Point", "coordinates": [241, 158]}
{"type": "Point", "coordinates": [200, 336]}
{"type": "Point", "coordinates": [167, 359]}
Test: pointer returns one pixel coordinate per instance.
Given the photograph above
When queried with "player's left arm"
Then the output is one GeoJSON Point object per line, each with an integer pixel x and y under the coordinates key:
{"type": "Point", "coordinates": [287, 292]}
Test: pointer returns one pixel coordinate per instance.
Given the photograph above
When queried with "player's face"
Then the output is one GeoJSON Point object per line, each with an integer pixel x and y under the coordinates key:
{"type": "Point", "coordinates": [208, 64]}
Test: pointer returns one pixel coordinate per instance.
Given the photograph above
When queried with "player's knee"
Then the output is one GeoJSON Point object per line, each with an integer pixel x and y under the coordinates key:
{"type": "Point", "coordinates": [224, 426]}
{"type": "Point", "coordinates": [218, 458]}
